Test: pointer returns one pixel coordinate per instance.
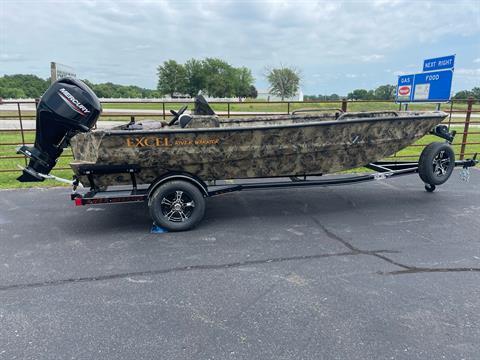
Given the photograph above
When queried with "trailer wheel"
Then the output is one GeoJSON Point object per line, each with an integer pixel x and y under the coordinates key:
{"type": "Point", "coordinates": [436, 163]}
{"type": "Point", "coordinates": [177, 205]}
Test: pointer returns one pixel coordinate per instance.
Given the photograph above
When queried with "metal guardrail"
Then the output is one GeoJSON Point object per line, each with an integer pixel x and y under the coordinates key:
{"type": "Point", "coordinates": [290, 106]}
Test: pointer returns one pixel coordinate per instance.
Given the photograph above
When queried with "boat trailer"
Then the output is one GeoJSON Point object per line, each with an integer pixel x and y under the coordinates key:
{"type": "Point", "coordinates": [382, 170]}
{"type": "Point", "coordinates": [176, 201]}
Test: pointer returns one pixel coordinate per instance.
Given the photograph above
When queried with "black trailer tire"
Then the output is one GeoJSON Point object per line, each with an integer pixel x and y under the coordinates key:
{"type": "Point", "coordinates": [436, 163]}
{"type": "Point", "coordinates": [177, 205]}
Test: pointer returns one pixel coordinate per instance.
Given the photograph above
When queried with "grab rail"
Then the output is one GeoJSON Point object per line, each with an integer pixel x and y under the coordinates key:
{"type": "Point", "coordinates": [316, 110]}
{"type": "Point", "coordinates": [370, 112]}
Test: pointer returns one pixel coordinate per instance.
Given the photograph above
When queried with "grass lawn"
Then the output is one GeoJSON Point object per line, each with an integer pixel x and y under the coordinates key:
{"type": "Point", "coordinates": [8, 179]}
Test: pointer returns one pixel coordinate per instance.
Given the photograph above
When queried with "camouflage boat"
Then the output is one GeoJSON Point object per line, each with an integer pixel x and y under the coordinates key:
{"type": "Point", "coordinates": [177, 159]}
{"type": "Point", "coordinates": [256, 147]}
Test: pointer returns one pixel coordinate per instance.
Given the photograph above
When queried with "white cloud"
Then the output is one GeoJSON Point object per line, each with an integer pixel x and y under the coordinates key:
{"type": "Point", "coordinates": [11, 57]}
{"type": "Point", "coordinates": [353, 76]}
{"type": "Point", "coordinates": [468, 72]}
{"type": "Point", "coordinates": [477, 60]}
{"type": "Point", "coordinates": [124, 41]}
{"type": "Point", "coordinates": [371, 58]}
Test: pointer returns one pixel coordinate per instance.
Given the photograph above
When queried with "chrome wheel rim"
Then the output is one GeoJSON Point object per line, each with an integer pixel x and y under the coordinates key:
{"type": "Point", "coordinates": [177, 206]}
{"type": "Point", "coordinates": [441, 163]}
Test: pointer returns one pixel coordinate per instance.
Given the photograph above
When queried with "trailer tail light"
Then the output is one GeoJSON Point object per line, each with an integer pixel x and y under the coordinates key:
{"type": "Point", "coordinates": [89, 199]}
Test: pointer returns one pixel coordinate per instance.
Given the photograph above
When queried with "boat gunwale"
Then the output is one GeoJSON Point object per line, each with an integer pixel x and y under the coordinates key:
{"type": "Point", "coordinates": [427, 115]}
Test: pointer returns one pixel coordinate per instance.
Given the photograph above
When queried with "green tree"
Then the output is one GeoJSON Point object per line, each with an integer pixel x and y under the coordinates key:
{"type": "Point", "coordinates": [243, 80]}
{"type": "Point", "coordinates": [12, 93]}
{"type": "Point", "coordinates": [104, 90]}
{"type": "Point", "coordinates": [195, 77]}
{"type": "Point", "coordinates": [219, 78]}
{"type": "Point", "coordinates": [284, 82]}
{"type": "Point", "coordinates": [385, 92]}
{"type": "Point", "coordinates": [358, 94]}
{"type": "Point", "coordinates": [110, 90]}
{"type": "Point", "coordinates": [463, 94]}
{"type": "Point", "coordinates": [32, 86]}
{"type": "Point", "coordinates": [252, 92]}
{"type": "Point", "coordinates": [171, 78]}
{"type": "Point", "coordinates": [322, 97]}
{"type": "Point", "coordinates": [214, 76]}
{"type": "Point", "coordinates": [476, 93]}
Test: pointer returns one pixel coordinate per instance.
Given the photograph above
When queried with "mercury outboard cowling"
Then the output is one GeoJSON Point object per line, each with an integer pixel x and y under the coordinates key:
{"type": "Point", "coordinates": [67, 108]}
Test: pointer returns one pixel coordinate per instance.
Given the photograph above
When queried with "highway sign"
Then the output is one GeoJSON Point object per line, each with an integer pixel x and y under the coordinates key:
{"type": "Point", "coordinates": [433, 86]}
{"type": "Point", "coordinates": [441, 63]}
{"type": "Point", "coordinates": [405, 88]}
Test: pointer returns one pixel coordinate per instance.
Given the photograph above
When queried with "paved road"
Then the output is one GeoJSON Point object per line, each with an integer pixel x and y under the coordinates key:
{"type": "Point", "coordinates": [380, 270]}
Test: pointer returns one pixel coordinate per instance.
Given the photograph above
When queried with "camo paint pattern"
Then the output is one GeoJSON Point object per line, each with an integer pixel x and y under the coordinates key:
{"type": "Point", "coordinates": [311, 145]}
{"type": "Point", "coordinates": [203, 122]}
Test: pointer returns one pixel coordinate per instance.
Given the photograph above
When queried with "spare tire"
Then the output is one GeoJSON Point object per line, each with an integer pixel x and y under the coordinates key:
{"type": "Point", "coordinates": [436, 163]}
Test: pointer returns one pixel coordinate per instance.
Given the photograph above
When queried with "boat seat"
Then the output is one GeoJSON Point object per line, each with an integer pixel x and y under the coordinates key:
{"type": "Point", "coordinates": [199, 121]}
{"type": "Point", "coordinates": [143, 125]}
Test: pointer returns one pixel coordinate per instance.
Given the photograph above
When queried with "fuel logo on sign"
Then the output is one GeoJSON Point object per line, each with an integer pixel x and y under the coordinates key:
{"type": "Point", "coordinates": [404, 90]}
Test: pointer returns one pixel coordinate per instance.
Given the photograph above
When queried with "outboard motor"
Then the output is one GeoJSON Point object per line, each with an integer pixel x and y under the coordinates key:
{"type": "Point", "coordinates": [67, 108]}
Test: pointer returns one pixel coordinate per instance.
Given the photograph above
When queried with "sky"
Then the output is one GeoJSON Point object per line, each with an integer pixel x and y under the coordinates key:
{"type": "Point", "coordinates": [337, 45]}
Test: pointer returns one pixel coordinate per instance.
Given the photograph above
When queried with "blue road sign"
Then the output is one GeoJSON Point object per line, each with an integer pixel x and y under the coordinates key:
{"type": "Point", "coordinates": [405, 88]}
{"type": "Point", "coordinates": [433, 86]}
{"type": "Point", "coordinates": [441, 63]}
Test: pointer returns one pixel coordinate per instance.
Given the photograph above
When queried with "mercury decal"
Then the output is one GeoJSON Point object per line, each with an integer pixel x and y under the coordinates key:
{"type": "Point", "coordinates": [73, 103]}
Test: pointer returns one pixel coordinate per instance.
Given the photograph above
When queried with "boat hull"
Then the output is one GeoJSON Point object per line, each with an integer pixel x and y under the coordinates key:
{"type": "Point", "coordinates": [249, 152]}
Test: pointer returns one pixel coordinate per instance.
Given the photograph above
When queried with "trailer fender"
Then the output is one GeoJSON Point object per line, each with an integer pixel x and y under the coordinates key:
{"type": "Point", "coordinates": [179, 176]}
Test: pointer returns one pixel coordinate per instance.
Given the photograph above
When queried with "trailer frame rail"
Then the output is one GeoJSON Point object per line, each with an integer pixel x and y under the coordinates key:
{"type": "Point", "coordinates": [383, 170]}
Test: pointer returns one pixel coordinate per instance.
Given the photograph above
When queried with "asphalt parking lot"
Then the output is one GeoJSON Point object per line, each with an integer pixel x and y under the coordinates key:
{"type": "Point", "coordinates": [380, 270]}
